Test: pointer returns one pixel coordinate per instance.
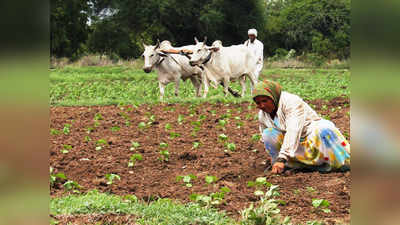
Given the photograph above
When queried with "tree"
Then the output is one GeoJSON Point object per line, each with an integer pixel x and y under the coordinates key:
{"type": "Point", "coordinates": [68, 28]}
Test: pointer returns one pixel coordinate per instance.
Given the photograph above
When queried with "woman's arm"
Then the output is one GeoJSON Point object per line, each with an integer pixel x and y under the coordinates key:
{"type": "Point", "coordinates": [295, 118]}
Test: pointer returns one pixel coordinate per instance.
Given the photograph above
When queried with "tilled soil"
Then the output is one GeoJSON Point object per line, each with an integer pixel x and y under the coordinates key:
{"type": "Point", "coordinates": [151, 178]}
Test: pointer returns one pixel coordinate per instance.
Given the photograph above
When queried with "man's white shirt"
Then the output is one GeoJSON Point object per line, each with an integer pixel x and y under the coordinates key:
{"type": "Point", "coordinates": [257, 48]}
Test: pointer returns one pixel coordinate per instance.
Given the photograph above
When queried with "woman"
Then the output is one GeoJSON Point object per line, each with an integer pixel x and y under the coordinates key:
{"type": "Point", "coordinates": [293, 133]}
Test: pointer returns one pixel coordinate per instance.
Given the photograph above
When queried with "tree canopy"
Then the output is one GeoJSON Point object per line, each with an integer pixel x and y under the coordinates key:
{"type": "Point", "coordinates": [119, 27]}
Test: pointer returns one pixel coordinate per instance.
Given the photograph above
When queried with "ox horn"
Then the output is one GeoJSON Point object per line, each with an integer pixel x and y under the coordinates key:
{"type": "Point", "coordinates": [157, 45]}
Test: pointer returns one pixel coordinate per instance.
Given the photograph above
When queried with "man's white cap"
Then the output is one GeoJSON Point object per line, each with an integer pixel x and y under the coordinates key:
{"type": "Point", "coordinates": [252, 31]}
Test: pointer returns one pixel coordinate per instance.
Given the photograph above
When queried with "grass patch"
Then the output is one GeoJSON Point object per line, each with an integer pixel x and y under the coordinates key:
{"type": "Point", "coordinates": [71, 86]}
{"type": "Point", "coordinates": [161, 211]}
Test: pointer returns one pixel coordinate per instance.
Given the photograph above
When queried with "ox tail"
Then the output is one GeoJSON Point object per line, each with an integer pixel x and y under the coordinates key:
{"type": "Point", "coordinates": [233, 92]}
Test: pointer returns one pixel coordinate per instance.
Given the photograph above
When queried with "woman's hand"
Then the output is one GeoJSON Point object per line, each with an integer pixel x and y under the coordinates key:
{"type": "Point", "coordinates": [278, 167]}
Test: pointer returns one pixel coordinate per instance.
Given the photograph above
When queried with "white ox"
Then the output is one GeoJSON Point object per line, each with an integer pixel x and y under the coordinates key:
{"type": "Point", "coordinates": [225, 64]}
{"type": "Point", "coordinates": [171, 68]}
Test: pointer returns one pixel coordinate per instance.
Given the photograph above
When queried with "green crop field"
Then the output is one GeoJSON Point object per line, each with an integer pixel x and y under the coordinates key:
{"type": "Point", "coordinates": [113, 85]}
{"type": "Point", "coordinates": [124, 86]}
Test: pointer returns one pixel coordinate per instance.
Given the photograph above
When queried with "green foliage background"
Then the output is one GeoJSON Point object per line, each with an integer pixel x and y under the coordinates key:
{"type": "Point", "coordinates": [118, 28]}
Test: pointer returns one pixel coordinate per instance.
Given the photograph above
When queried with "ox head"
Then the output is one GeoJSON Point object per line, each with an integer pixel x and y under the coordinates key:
{"type": "Point", "coordinates": [200, 52]}
{"type": "Point", "coordinates": [152, 56]}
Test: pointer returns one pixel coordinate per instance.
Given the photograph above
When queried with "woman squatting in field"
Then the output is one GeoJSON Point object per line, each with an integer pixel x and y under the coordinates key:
{"type": "Point", "coordinates": [294, 135]}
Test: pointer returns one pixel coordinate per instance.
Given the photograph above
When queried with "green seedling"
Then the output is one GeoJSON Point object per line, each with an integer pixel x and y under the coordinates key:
{"type": "Point", "coordinates": [196, 144]}
{"type": "Point", "coordinates": [259, 184]}
{"type": "Point", "coordinates": [255, 137]}
{"type": "Point", "coordinates": [100, 144]}
{"type": "Point", "coordinates": [311, 190]}
{"type": "Point", "coordinates": [97, 117]}
{"type": "Point", "coordinates": [142, 125]}
{"type": "Point", "coordinates": [267, 211]}
{"type": "Point", "coordinates": [226, 116]}
{"type": "Point", "coordinates": [164, 155]}
{"type": "Point", "coordinates": [134, 145]}
{"type": "Point", "coordinates": [132, 160]}
{"type": "Point", "coordinates": [211, 179]}
{"type": "Point", "coordinates": [87, 139]}
{"type": "Point", "coordinates": [237, 117]}
{"type": "Point", "coordinates": [297, 191]}
{"type": "Point", "coordinates": [173, 135]}
{"type": "Point", "coordinates": [89, 130]}
{"type": "Point", "coordinates": [248, 116]}
{"type": "Point", "coordinates": [196, 127]}
{"type": "Point", "coordinates": [202, 117]}
{"type": "Point", "coordinates": [67, 128]}
{"type": "Point", "coordinates": [163, 145]}
{"type": "Point", "coordinates": [54, 177]}
{"type": "Point", "coordinates": [115, 128]}
{"type": "Point", "coordinates": [222, 123]}
{"type": "Point", "coordinates": [213, 199]}
{"type": "Point", "coordinates": [71, 186]}
{"type": "Point", "coordinates": [130, 198]}
{"type": "Point", "coordinates": [231, 146]}
{"type": "Point", "coordinates": [213, 112]}
{"type": "Point", "coordinates": [168, 126]}
{"type": "Point", "coordinates": [54, 132]}
{"type": "Point", "coordinates": [186, 179]}
{"type": "Point", "coordinates": [239, 124]}
{"type": "Point", "coordinates": [222, 137]}
{"type": "Point", "coordinates": [180, 119]}
{"type": "Point", "coordinates": [66, 149]}
{"type": "Point", "coordinates": [110, 178]}
{"type": "Point", "coordinates": [152, 118]}
{"type": "Point", "coordinates": [321, 204]}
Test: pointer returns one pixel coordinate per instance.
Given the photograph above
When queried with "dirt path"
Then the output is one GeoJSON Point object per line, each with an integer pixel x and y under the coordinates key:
{"type": "Point", "coordinates": [151, 178]}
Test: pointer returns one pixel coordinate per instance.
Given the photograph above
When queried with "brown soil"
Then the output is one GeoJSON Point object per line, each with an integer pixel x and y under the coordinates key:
{"type": "Point", "coordinates": [151, 178]}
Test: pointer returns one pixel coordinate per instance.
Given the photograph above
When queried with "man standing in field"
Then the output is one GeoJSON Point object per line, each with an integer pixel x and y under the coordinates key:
{"type": "Point", "coordinates": [257, 48]}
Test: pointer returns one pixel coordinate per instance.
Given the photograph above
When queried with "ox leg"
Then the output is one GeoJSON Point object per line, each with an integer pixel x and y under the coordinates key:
{"type": "Point", "coordinates": [162, 90]}
{"type": "Point", "coordinates": [197, 84]}
{"type": "Point", "coordinates": [226, 85]}
{"type": "Point", "coordinates": [177, 87]}
{"type": "Point", "coordinates": [243, 84]}
{"type": "Point", "coordinates": [204, 81]}
{"type": "Point", "coordinates": [253, 80]}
